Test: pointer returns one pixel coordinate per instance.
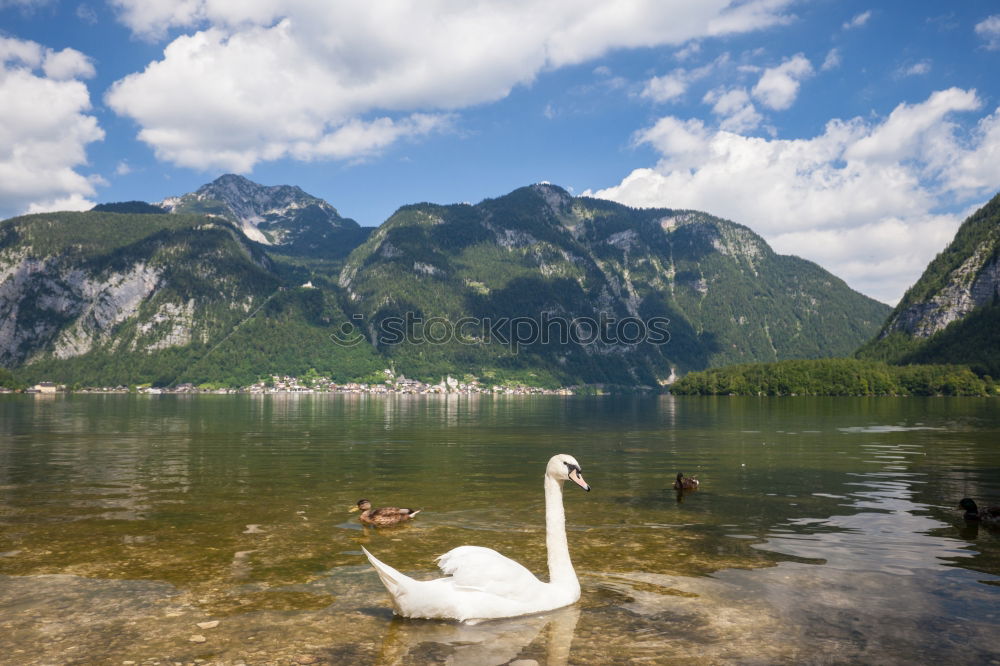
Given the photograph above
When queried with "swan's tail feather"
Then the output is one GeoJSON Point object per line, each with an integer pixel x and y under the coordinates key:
{"type": "Point", "coordinates": [394, 581]}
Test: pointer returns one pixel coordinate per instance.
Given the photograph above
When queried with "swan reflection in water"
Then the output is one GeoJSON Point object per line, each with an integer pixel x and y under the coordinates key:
{"type": "Point", "coordinates": [409, 641]}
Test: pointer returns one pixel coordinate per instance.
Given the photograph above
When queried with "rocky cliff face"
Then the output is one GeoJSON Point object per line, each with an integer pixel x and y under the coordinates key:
{"type": "Point", "coordinates": [64, 295]}
{"type": "Point", "coordinates": [972, 284]}
{"type": "Point", "coordinates": [947, 315]}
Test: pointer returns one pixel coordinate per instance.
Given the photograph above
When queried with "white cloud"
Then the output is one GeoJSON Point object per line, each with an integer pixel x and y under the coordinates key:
{"type": "Point", "coordinates": [735, 109]}
{"type": "Point", "coordinates": [916, 132]}
{"type": "Point", "coordinates": [16, 51]}
{"type": "Point", "coordinates": [916, 69]}
{"type": "Point", "coordinates": [978, 169]}
{"type": "Point", "coordinates": [67, 64]}
{"type": "Point", "coordinates": [356, 138]}
{"type": "Point", "coordinates": [684, 144]}
{"type": "Point", "coordinates": [152, 18]}
{"type": "Point", "coordinates": [874, 185]}
{"type": "Point", "coordinates": [692, 49]}
{"type": "Point", "coordinates": [667, 87]}
{"type": "Point", "coordinates": [75, 201]}
{"type": "Point", "coordinates": [671, 86]}
{"type": "Point", "coordinates": [858, 21]}
{"type": "Point", "coordinates": [779, 86]}
{"type": "Point", "coordinates": [86, 14]}
{"type": "Point", "coordinates": [989, 29]}
{"type": "Point", "coordinates": [858, 256]}
{"type": "Point", "coordinates": [832, 60]}
{"type": "Point", "coordinates": [257, 79]}
{"type": "Point", "coordinates": [44, 128]}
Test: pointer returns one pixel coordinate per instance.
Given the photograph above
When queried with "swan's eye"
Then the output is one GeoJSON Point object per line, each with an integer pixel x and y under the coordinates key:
{"type": "Point", "coordinates": [571, 467]}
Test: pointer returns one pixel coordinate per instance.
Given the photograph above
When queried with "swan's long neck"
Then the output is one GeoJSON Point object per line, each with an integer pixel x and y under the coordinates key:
{"type": "Point", "coordinates": [561, 571]}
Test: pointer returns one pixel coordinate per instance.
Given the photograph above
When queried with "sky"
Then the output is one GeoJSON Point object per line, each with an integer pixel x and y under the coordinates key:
{"type": "Point", "coordinates": [857, 135]}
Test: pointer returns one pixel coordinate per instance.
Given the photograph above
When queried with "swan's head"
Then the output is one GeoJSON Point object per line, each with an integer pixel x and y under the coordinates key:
{"type": "Point", "coordinates": [563, 467]}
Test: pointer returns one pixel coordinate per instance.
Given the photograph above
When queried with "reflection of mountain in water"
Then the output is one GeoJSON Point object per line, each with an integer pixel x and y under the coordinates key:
{"type": "Point", "coordinates": [495, 642]}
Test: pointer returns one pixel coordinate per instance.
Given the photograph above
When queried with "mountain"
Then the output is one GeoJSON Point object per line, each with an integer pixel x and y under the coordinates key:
{"type": "Point", "coordinates": [952, 313]}
{"type": "Point", "coordinates": [538, 260]}
{"type": "Point", "coordinates": [72, 280]}
{"type": "Point", "coordinates": [281, 216]}
{"type": "Point", "coordinates": [537, 286]}
{"type": "Point", "coordinates": [112, 298]}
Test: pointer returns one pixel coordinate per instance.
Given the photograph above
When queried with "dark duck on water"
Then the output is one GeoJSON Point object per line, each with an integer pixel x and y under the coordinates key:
{"type": "Point", "coordinates": [685, 482]}
{"type": "Point", "coordinates": [987, 516]}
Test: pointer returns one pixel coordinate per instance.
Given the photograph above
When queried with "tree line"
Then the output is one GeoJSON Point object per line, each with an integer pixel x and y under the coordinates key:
{"type": "Point", "coordinates": [836, 377]}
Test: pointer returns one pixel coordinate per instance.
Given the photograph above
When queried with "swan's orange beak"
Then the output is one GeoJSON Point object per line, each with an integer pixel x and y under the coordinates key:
{"type": "Point", "coordinates": [577, 478]}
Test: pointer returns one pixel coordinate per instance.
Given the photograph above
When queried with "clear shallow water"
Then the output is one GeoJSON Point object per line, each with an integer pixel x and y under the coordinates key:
{"type": "Point", "coordinates": [824, 531]}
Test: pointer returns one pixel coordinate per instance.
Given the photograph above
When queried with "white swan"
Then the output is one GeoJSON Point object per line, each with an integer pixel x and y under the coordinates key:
{"type": "Point", "coordinates": [481, 583]}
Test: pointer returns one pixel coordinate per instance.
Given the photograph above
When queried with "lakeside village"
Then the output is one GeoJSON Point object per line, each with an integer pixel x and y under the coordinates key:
{"type": "Point", "coordinates": [284, 384]}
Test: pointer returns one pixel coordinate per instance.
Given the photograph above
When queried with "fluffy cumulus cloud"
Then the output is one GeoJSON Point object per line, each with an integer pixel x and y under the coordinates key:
{"type": "Point", "coordinates": [44, 128]}
{"type": "Point", "coordinates": [735, 110]}
{"type": "Point", "coordinates": [779, 86]}
{"type": "Point", "coordinates": [253, 80]}
{"type": "Point", "coordinates": [667, 87]}
{"type": "Point", "coordinates": [863, 198]}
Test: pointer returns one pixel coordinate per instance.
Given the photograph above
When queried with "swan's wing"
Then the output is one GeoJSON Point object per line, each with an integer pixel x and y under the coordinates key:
{"type": "Point", "coordinates": [486, 570]}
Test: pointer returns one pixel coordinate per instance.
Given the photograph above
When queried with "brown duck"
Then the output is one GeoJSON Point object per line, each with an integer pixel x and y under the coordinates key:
{"type": "Point", "coordinates": [685, 482]}
{"type": "Point", "coordinates": [388, 515]}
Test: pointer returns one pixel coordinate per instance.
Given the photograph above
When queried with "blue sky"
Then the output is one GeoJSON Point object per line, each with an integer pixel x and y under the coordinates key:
{"type": "Point", "coordinates": [854, 134]}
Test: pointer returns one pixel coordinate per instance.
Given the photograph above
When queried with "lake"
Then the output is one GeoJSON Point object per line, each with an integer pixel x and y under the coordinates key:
{"type": "Point", "coordinates": [825, 530]}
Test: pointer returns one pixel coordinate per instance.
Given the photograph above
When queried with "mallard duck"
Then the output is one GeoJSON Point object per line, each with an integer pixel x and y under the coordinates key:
{"type": "Point", "coordinates": [482, 584]}
{"type": "Point", "coordinates": [987, 516]}
{"type": "Point", "coordinates": [388, 515]}
{"type": "Point", "coordinates": [685, 482]}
